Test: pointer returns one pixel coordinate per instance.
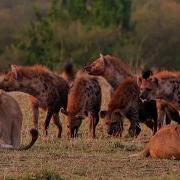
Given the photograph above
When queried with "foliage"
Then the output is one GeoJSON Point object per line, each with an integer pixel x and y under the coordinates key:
{"type": "Point", "coordinates": [141, 32]}
{"type": "Point", "coordinates": [50, 39]}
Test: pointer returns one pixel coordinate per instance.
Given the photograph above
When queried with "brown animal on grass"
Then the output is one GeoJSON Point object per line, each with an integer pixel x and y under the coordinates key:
{"type": "Point", "coordinates": [49, 89]}
{"type": "Point", "coordinates": [125, 102]}
{"type": "Point", "coordinates": [68, 75]}
{"type": "Point", "coordinates": [84, 100]}
{"type": "Point", "coordinates": [165, 144]}
{"type": "Point", "coordinates": [11, 123]}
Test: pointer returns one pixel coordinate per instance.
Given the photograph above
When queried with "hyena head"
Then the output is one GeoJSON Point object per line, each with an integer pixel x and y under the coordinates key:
{"type": "Point", "coordinates": [113, 122]}
{"type": "Point", "coordinates": [148, 88]}
{"type": "Point", "coordinates": [73, 123]}
{"type": "Point", "coordinates": [9, 81]}
{"type": "Point", "coordinates": [97, 67]}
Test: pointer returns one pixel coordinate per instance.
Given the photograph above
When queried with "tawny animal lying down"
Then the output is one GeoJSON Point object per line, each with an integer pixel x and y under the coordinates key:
{"type": "Point", "coordinates": [164, 144]}
{"type": "Point", "coordinates": [10, 124]}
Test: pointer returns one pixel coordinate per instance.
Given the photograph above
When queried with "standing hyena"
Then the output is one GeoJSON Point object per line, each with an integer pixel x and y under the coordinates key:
{"type": "Point", "coordinates": [115, 72]}
{"type": "Point", "coordinates": [125, 102]}
{"type": "Point", "coordinates": [49, 89]}
{"type": "Point", "coordinates": [163, 85]}
{"type": "Point", "coordinates": [165, 111]}
{"type": "Point", "coordinates": [84, 100]}
{"type": "Point", "coordinates": [68, 75]}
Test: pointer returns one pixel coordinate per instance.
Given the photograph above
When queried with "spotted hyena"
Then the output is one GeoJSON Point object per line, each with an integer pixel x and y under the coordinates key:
{"type": "Point", "coordinates": [109, 67]}
{"type": "Point", "coordinates": [125, 102]}
{"type": "Point", "coordinates": [114, 71]}
{"type": "Point", "coordinates": [84, 100]}
{"type": "Point", "coordinates": [165, 110]}
{"type": "Point", "coordinates": [164, 85]}
{"type": "Point", "coordinates": [68, 75]}
{"type": "Point", "coordinates": [49, 89]}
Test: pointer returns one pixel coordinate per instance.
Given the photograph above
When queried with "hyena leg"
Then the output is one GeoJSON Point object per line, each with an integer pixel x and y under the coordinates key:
{"type": "Point", "coordinates": [94, 119]}
{"type": "Point", "coordinates": [47, 121]}
{"type": "Point", "coordinates": [58, 124]}
{"type": "Point", "coordinates": [134, 128]}
{"type": "Point", "coordinates": [35, 111]}
{"type": "Point", "coordinates": [168, 118]}
{"type": "Point", "coordinates": [152, 124]}
{"type": "Point", "coordinates": [160, 113]}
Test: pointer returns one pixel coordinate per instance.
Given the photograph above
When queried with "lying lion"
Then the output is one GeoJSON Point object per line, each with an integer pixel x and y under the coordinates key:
{"type": "Point", "coordinates": [164, 144]}
{"type": "Point", "coordinates": [11, 123]}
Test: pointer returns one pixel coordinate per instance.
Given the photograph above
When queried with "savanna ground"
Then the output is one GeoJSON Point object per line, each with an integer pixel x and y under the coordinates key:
{"type": "Point", "coordinates": [82, 158]}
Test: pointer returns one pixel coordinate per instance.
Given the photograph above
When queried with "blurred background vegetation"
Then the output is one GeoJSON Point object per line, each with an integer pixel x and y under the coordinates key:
{"type": "Point", "coordinates": [140, 32]}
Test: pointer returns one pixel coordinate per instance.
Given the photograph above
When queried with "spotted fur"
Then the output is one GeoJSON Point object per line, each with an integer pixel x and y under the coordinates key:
{"type": "Point", "coordinates": [111, 68]}
{"type": "Point", "coordinates": [49, 89]}
{"type": "Point", "coordinates": [84, 100]}
{"type": "Point", "coordinates": [68, 75]}
{"type": "Point", "coordinates": [115, 72]}
{"type": "Point", "coordinates": [125, 102]}
{"type": "Point", "coordinates": [164, 85]}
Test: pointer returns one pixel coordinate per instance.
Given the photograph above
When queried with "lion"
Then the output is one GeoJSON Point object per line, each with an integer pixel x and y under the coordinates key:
{"type": "Point", "coordinates": [164, 144]}
{"type": "Point", "coordinates": [11, 123]}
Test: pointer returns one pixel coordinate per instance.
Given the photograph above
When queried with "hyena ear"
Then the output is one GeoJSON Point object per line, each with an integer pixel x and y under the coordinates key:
{"type": "Point", "coordinates": [103, 114]}
{"type": "Point", "coordinates": [80, 116]}
{"type": "Point", "coordinates": [102, 59]}
{"type": "Point", "coordinates": [83, 115]}
{"type": "Point", "coordinates": [117, 112]}
{"type": "Point", "coordinates": [139, 80]}
{"type": "Point", "coordinates": [63, 111]}
{"type": "Point", "coordinates": [101, 56]}
{"type": "Point", "coordinates": [14, 71]}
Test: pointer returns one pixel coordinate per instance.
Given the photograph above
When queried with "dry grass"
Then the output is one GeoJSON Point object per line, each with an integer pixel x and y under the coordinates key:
{"type": "Point", "coordinates": [82, 158]}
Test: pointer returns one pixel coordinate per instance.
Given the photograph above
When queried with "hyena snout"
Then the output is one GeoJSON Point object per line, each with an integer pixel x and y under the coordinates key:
{"type": "Point", "coordinates": [143, 95]}
{"type": "Point", "coordinates": [87, 68]}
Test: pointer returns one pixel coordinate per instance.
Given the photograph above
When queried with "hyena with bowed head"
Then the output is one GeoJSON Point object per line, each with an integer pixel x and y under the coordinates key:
{"type": "Point", "coordinates": [84, 100]}
{"type": "Point", "coordinates": [49, 89]}
{"type": "Point", "coordinates": [115, 72]}
{"type": "Point", "coordinates": [163, 85]}
{"type": "Point", "coordinates": [125, 102]}
{"type": "Point", "coordinates": [68, 75]}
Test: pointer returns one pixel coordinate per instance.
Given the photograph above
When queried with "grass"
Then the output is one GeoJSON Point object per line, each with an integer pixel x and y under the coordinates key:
{"type": "Point", "coordinates": [82, 158]}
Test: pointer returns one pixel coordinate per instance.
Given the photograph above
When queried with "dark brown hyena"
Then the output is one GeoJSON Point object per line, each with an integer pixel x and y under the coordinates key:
{"type": "Point", "coordinates": [49, 89]}
{"type": "Point", "coordinates": [84, 100]}
{"type": "Point", "coordinates": [68, 75]}
{"type": "Point", "coordinates": [126, 102]}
